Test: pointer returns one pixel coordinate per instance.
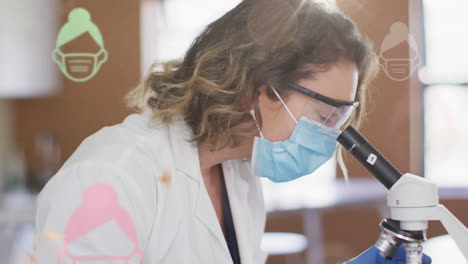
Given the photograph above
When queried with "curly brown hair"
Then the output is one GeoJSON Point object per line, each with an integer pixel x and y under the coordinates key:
{"type": "Point", "coordinates": [259, 42]}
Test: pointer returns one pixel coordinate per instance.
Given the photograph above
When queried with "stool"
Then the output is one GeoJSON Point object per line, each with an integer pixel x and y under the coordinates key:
{"type": "Point", "coordinates": [290, 245]}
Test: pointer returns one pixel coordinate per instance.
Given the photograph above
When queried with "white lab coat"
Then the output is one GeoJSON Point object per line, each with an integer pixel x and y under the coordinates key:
{"type": "Point", "coordinates": [173, 218]}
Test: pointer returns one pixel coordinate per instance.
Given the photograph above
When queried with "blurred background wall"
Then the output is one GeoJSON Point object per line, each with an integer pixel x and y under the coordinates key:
{"type": "Point", "coordinates": [79, 109]}
{"type": "Point", "coordinates": [7, 138]}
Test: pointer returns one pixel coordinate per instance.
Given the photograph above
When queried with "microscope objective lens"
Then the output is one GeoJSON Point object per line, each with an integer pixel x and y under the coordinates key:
{"type": "Point", "coordinates": [414, 253]}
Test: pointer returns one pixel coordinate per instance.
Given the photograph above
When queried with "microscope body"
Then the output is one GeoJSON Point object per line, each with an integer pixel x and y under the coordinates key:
{"type": "Point", "coordinates": [413, 201]}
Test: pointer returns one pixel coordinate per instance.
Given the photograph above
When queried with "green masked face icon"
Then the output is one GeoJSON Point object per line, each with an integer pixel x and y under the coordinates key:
{"type": "Point", "coordinates": [79, 62]}
{"type": "Point", "coordinates": [79, 67]}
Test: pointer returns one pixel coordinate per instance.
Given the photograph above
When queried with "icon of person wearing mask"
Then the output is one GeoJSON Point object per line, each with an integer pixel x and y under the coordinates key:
{"type": "Point", "coordinates": [397, 68]}
{"type": "Point", "coordinates": [100, 218]}
{"type": "Point", "coordinates": [79, 63]}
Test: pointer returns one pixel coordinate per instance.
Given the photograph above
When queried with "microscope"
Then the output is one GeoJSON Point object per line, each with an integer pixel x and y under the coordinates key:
{"type": "Point", "coordinates": [413, 201]}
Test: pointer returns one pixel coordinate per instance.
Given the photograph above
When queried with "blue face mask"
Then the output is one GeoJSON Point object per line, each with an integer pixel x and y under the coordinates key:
{"type": "Point", "coordinates": [309, 147]}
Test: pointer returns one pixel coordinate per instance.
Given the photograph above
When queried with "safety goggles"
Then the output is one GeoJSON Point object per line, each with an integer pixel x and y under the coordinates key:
{"type": "Point", "coordinates": [324, 110]}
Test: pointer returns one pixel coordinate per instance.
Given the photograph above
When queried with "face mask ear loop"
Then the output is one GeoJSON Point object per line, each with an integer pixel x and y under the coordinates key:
{"type": "Point", "coordinates": [252, 113]}
{"type": "Point", "coordinates": [287, 109]}
{"type": "Point", "coordinates": [328, 117]}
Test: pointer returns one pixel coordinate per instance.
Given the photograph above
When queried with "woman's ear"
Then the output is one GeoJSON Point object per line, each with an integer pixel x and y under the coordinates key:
{"type": "Point", "coordinates": [262, 95]}
{"type": "Point", "coordinates": [254, 101]}
{"type": "Point", "coordinates": [265, 102]}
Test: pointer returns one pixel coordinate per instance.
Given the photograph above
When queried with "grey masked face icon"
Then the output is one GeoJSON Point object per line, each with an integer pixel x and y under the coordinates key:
{"type": "Point", "coordinates": [395, 66]}
{"type": "Point", "coordinates": [399, 69]}
{"type": "Point", "coordinates": [79, 66]}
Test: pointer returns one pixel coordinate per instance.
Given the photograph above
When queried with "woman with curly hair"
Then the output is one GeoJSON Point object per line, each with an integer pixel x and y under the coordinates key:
{"type": "Point", "coordinates": [262, 92]}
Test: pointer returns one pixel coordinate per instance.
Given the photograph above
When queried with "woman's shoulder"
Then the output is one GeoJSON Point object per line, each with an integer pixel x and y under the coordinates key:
{"type": "Point", "coordinates": [127, 152]}
{"type": "Point", "coordinates": [133, 138]}
{"type": "Point", "coordinates": [120, 163]}
{"type": "Point", "coordinates": [116, 151]}
{"type": "Point", "coordinates": [116, 157]}
{"type": "Point", "coordinates": [91, 194]}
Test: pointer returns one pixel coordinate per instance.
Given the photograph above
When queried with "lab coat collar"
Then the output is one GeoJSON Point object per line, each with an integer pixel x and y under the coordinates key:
{"type": "Point", "coordinates": [236, 184]}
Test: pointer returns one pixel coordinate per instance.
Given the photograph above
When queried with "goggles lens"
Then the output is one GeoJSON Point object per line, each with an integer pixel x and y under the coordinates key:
{"type": "Point", "coordinates": [325, 111]}
{"type": "Point", "coordinates": [327, 115]}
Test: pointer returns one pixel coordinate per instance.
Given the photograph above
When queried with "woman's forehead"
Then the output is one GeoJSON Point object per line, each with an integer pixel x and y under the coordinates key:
{"type": "Point", "coordinates": [337, 82]}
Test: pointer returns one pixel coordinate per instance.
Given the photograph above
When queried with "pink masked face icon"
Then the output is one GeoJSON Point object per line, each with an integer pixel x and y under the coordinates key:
{"type": "Point", "coordinates": [101, 220]}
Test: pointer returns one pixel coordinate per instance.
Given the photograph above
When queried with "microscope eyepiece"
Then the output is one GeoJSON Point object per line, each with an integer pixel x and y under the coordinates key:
{"type": "Point", "coordinates": [368, 156]}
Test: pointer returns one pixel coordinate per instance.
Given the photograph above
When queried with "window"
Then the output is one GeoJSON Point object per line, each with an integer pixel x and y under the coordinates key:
{"type": "Point", "coordinates": [27, 38]}
{"type": "Point", "coordinates": [446, 94]}
{"type": "Point", "coordinates": [182, 20]}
